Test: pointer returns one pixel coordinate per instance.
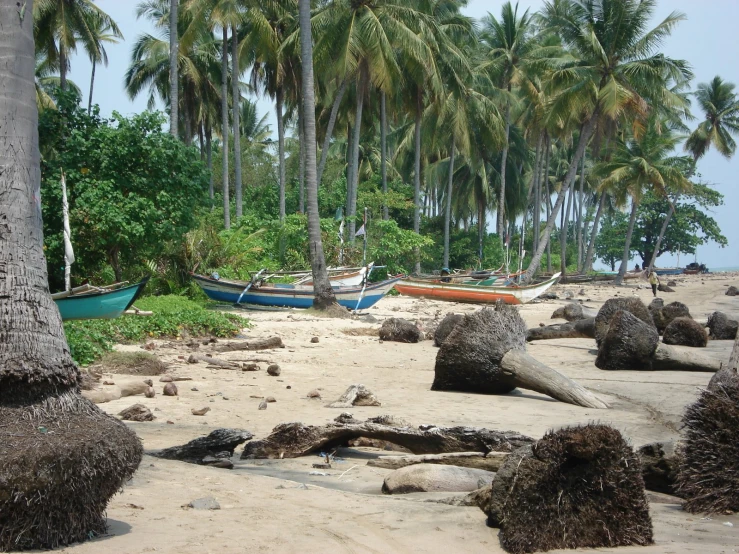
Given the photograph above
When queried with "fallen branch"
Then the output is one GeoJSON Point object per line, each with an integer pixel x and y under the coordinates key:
{"type": "Point", "coordinates": [220, 364]}
{"type": "Point", "coordinates": [478, 460]}
{"type": "Point", "coordinates": [580, 329]}
{"type": "Point", "coordinates": [258, 344]}
{"type": "Point", "coordinates": [292, 440]}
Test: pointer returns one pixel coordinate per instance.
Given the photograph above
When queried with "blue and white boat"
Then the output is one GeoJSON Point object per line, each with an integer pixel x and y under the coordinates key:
{"type": "Point", "coordinates": [290, 296]}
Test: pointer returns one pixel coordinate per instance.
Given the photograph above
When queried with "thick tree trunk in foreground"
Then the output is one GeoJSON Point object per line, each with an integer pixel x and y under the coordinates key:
{"type": "Point", "coordinates": [627, 245]}
{"type": "Point", "coordinates": [61, 459]}
{"type": "Point", "coordinates": [235, 108]}
{"type": "Point", "coordinates": [224, 130]}
{"type": "Point", "coordinates": [330, 129]}
{"type": "Point", "coordinates": [324, 294]}
{"type": "Point", "coordinates": [383, 153]}
{"type": "Point", "coordinates": [594, 233]}
{"type": "Point", "coordinates": [174, 83]}
{"type": "Point", "coordinates": [448, 209]}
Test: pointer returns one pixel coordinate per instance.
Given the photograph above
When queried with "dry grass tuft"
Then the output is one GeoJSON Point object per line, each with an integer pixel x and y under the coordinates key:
{"type": "Point", "coordinates": [361, 331]}
{"type": "Point", "coordinates": [131, 363]}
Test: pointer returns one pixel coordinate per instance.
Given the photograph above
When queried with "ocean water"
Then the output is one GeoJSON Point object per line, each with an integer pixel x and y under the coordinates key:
{"type": "Point", "coordinates": [723, 269]}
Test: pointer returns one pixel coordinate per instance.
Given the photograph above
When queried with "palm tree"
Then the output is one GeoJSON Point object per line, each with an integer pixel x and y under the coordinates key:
{"type": "Point", "coordinates": [47, 81]}
{"type": "Point", "coordinates": [612, 69]}
{"type": "Point", "coordinates": [641, 163]}
{"type": "Point", "coordinates": [100, 29]}
{"type": "Point", "coordinates": [510, 42]}
{"type": "Point", "coordinates": [174, 83]}
{"type": "Point", "coordinates": [39, 381]}
{"type": "Point", "coordinates": [60, 24]}
{"type": "Point", "coordinates": [720, 104]}
{"type": "Point", "coordinates": [323, 293]}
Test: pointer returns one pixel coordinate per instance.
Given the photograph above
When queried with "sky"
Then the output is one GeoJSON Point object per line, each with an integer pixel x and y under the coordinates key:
{"type": "Point", "coordinates": [707, 39]}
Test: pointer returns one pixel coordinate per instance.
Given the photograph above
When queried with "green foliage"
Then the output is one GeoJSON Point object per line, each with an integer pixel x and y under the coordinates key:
{"type": "Point", "coordinates": [173, 317]}
{"type": "Point", "coordinates": [609, 246]}
{"type": "Point", "coordinates": [132, 189]}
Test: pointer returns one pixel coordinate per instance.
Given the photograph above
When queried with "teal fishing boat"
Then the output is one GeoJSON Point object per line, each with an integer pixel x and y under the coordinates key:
{"type": "Point", "coordinates": [88, 302]}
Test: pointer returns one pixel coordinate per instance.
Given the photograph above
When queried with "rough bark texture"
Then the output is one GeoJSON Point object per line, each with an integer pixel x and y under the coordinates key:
{"type": "Point", "coordinates": [579, 487]}
{"type": "Point", "coordinates": [224, 129]}
{"type": "Point", "coordinates": [446, 327]}
{"type": "Point", "coordinates": [174, 82]}
{"type": "Point", "coordinates": [685, 331]}
{"type": "Point", "coordinates": [235, 114]}
{"type": "Point", "coordinates": [662, 315]}
{"type": "Point", "coordinates": [400, 330]}
{"type": "Point", "coordinates": [629, 343]}
{"type": "Point", "coordinates": [448, 206]}
{"type": "Point", "coordinates": [722, 327]}
{"type": "Point", "coordinates": [631, 304]}
{"type": "Point", "coordinates": [356, 395]}
{"type": "Point", "coordinates": [291, 440]}
{"type": "Point", "coordinates": [659, 466]}
{"type": "Point", "coordinates": [137, 412]}
{"type": "Point", "coordinates": [217, 442]}
{"type": "Point", "coordinates": [500, 223]}
{"type": "Point", "coordinates": [580, 329]}
{"type": "Point", "coordinates": [417, 172]}
{"type": "Point", "coordinates": [324, 294]}
{"type": "Point", "coordinates": [279, 100]}
{"type": "Point", "coordinates": [573, 312]}
{"type": "Point", "coordinates": [732, 291]}
{"type": "Point", "coordinates": [479, 460]}
{"type": "Point", "coordinates": [383, 152]}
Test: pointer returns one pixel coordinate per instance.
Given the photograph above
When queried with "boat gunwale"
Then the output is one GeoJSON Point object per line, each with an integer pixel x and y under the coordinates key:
{"type": "Point", "coordinates": [94, 294]}
{"type": "Point", "coordinates": [305, 290]}
{"type": "Point", "coordinates": [418, 283]}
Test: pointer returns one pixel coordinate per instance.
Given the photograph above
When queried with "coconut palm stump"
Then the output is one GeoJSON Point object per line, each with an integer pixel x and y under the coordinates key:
{"type": "Point", "coordinates": [486, 353]}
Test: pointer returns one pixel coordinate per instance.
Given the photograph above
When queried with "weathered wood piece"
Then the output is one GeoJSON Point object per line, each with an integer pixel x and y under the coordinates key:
{"type": "Point", "coordinates": [215, 444]}
{"type": "Point", "coordinates": [291, 440]}
{"type": "Point", "coordinates": [256, 344]}
{"type": "Point", "coordinates": [224, 364]}
{"type": "Point", "coordinates": [579, 329]}
{"type": "Point", "coordinates": [478, 460]}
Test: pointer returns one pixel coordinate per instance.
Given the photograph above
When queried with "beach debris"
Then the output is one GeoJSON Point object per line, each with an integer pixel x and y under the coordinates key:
{"type": "Point", "coordinates": [397, 329]}
{"type": "Point", "coordinates": [149, 382]}
{"type": "Point", "coordinates": [207, 503]}
{"type": "Point", "coordinates": [99, 396]}
{"type": "Point", "coordinates": [314, 340]}
{"type": "Point", "coordinates": [274, 370]}
{"type": "Point", "coordinates": [708, 479]}
{"type": "Point", "coordinates": [446, 326]}
{"type": "Point", "coordinates": [478, 460]}
{"type": "Point", "coordinates": [671, 283]}
{"type": "Point", "coordinates": [632, 344]}
{"type": "Point", "coordinates": [262, 405]}
{"type": "Point", "coordinates": [170, 389]}
{"type": "Point", "coordinates": [270, 399]}
{"type": "Point", "coordinates": [251, 366]}
{"type": "Point", "coordinates": [223, 462]}
{"type": "Point", "coordinates": [108, 383]}
{"type": "Point", "coordinates": [732, 291]}
{"type": "Point", "coordinates": [486, 354]}
{"type": "Point", "coordinates": [130, 363]}
{"type": "Point", "coordinates": [200, 412]}
{"type": "Point", "coordinates": [685, 331]}
{"type": "Point", "coordinates": [628, 304]}
{"type": "Point", "coordinates": [579, 329]}
{"type": "Point", "coordinates": [210, 360]}
{"type": "Point", "coordinates": [166, 379]}
{"type": "Point", "coordinates": [355, 395]}
{"type": "Point", "coordinates": [314, 394]}
{"type": "Point", "coordinates": [137, 412]}
{"type": "Point", "coordinates": [578, 487]}
{"type": "Point", "coordinates": [219, 443]}
{"type": "Point", "coordinates": [150, 392]}
{"type": "Point", "coordinates": [573, 311]}
{"type": "Point", "coordinates": [436, 478]}
{"type": "Point", "coordinates": [659, 465]}
{"type": "Point", "coordinates": [292, 440]}
{"type": "Point", "coordinates": [256, 344]}
{"type": "Point", "coordinates": [722, 327]}
{"type": "Point", "coordinates": [663, 314]}
{"type": "Point", "coordinates": [665, 288]}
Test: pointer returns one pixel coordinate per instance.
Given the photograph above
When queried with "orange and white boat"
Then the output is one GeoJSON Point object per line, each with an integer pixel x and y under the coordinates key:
{"type": "Point", "coordinates": [476, 294]}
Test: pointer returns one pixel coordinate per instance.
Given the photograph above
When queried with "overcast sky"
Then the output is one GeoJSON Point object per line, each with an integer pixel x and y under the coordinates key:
{"type": "Point", "coordinates": [708, 40]}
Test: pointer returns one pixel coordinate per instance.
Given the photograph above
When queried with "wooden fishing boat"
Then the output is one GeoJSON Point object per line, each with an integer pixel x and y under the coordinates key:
{"type": "Point", "coordinates": [348, 278]}
{"type": "Point", "coordinates": [289, 296]}
{"type": "Point", "coordinates": [454, 292]}
{"type": "Point", "coordinates": [669, 271]}
{"type": "Point", "coordinates": [88, 302]}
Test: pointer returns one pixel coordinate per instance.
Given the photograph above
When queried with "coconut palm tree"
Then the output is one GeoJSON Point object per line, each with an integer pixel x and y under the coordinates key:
{"type": "Point", "coordinates": [174, 83]}
{"type": "Point", "coordinates": [100, 29]}
{"type": "Point", "coordinates": [720, 105]}
{"type": "Point", "coordinates": [323, 293]}
{"type": "Point", "coordinates": [60, 24]}
{"type": "Point", "coordinates": [613, 67]}
{"type": "Point", "coordinates": [47, 81]}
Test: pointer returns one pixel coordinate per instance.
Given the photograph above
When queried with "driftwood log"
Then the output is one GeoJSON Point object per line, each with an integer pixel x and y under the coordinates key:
{"type": "Point", "coordinates": [632, 344]}
{"type": "Point", "coordinates": [578, 329]}
{"type": "Point", "coordinates": [216, 444]}
{"type": "Point", "coordinates": [100, 396]}
{"type": "Point", "coordinates": [477, 460]}
{"type": "Point", "coordinates": [292, 440]}
{"type": "Point", "coordinates": [356, 395]}
{"type": "Point", "coordinates": [223, 364]}
{"type": "Point", "coordinates": [486, 353]}
{"type": "Point", "coordinates": [256, 344]}
{"type": "Point", "coordinates": [573, 311]}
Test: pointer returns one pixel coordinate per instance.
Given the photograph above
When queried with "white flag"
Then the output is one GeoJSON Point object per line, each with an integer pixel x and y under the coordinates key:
{"type": "Point", "coordinates": [361, 232]}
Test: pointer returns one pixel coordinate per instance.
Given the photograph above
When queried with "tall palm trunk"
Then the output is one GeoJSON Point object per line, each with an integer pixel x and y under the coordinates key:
{"type": "Point", "coordinates": [533, 192]}
{"type": "Point", "coordinates": [383, 154]}
{"type": "Point", "coordinates": [62, 66]}
{"type": "Point", "coordinates": [481, 228]}
{"type": "Point", "coordinates": [174, 83]}
{"type": "Point", "coordinates": [92, 85]}
{"type": "Point", "coordinates": [564, 233]}
{"type": "Point", "coordinates": [236, 93]}
{"type": "Point", "coordinates": [585, 134]}
{"type": "Point", "coordinates": [330, 129]}
{"type": "Point", "coordinates": [209, 157]}
{"type": "Point", "coordinates": [503, 160]}
{"type": "Point", "coordinates": [224, 130]}
{"type": "Point", "coordinates": [448, 210]}
{"type": "Point", "coordinates": [301, 165]}
{"type": "Point", "coordinates": [594, 233]}
{"type": "Point", "coordinates": [323, 293]}
{"type": "Point", "coordinates": [279, 100]}
{"type": "Point", "coordinates": [661, 236]}
{"type": "Point", "coordinates": [627, 246]}
{"type": "Point", "coordinates": [579, 216]}
{"type": "Point", "coordinates": [349, 177]}
{"type": "Point", "coordinates": [354, 159]}
{"type": "Point", "coordinates": [417, 175]}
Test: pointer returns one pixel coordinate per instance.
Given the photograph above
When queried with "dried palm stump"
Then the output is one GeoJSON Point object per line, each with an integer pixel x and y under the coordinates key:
{"type": "Point", "coordinates": [632, 305]}
{"type": "Point", "coordinates": [486, 353]}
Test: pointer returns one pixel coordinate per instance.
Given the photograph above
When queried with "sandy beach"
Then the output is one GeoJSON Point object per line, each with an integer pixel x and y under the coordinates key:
{"type": "Point", "coordinates": [278, 506]}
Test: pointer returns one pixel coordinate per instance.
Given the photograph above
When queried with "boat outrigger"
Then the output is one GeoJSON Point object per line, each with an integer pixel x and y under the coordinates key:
{"type": "Point", "coordinates": [480, 294]}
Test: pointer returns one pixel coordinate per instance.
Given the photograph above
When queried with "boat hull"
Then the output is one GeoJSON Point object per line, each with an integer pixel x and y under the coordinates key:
{"type": "Point", "coordinates": [291, 296]}
{"type": "Point", "coordinates": [473, 293]}
{"type": "Point", "coordinates": [100, 305]}
{"type": "Point", "coordinates": [669, 271]}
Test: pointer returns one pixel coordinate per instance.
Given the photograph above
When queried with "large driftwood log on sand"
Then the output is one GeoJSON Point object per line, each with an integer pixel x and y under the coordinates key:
{"type": "Point", "coordinates": [224, 364]}
{"type": "Point", "coordinates": [292, 440]}
{"type": "Point", "coordinates": [218, 442]}
{"type": "Point", "coordinates": [632, 344]}
{"type": "Point", "coordinates": [477, 460]}
{"type": "Point", "coordinates": [100, 396]}
{"type": "Point", "coordinates": [486, 353]}
{"type": "Point", "coordinates": [578, 329]}
{"type": "Point", "coordinates": [256, 344]}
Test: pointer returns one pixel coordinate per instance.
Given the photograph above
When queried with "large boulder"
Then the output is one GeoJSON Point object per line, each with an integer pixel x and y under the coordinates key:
{"type": "Point", "coordinates": [397, 329]}
{"type": "Point", "coordinates": [579, 487]}
{"type": "Point", "coordinates": [685, 331]}
{"type": "Point", "coordinates": [722, 327]}
{"type": "Point", "coordinates": [436, 478]}
{"type": "Point", "coordinates": [630, 343]}
{"type": "Point", "coordinates": [469, 359]}
{"type": "Point", "coordinates": [446, 327]}
{"type": "Point", "coordinates": [630, 304]}
{"type": "Point", "coordinates": [663, 315]}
